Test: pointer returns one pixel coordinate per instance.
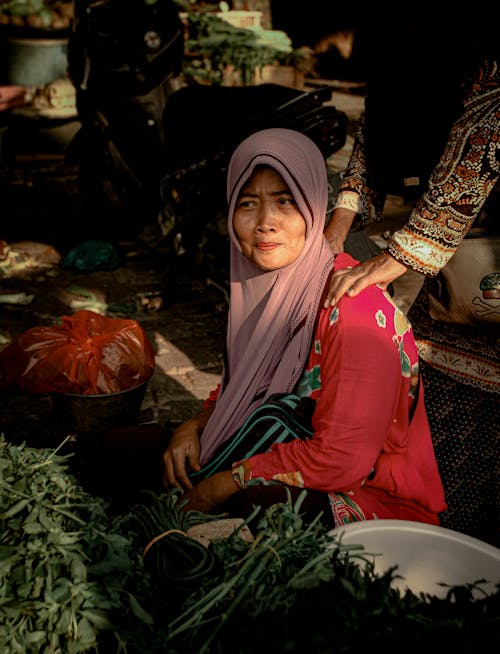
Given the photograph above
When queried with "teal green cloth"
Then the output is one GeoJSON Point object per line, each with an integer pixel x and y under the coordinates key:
{"type": "Point", "coordinates": [92, 255]}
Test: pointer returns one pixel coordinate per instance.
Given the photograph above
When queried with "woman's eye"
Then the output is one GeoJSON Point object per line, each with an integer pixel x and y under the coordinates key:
{"type": "Point", "coordinates": [286, 200]}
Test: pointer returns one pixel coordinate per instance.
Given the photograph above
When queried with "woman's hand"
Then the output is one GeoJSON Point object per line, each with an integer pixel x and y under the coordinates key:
{"type": "Point", "coordinates": [209, 493]}
{"type": "Point", "coordinates": [182, 455]}
{"type": "Point", "coordinates": [381, 269]}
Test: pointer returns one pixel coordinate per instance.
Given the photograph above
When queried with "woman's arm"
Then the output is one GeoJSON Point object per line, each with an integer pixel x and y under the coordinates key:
{"type": "Point", "coordinates": [458, 187]}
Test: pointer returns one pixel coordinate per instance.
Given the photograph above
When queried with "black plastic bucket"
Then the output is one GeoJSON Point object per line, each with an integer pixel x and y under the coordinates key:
{"type": "Point", "coordinates": [90, 414]}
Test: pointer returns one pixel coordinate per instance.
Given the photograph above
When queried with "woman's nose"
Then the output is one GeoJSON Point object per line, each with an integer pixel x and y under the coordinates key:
{"type": "Point", "coordinates": [266, 220]}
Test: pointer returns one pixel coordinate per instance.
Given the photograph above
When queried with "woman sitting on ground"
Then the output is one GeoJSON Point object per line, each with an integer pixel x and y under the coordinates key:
{"type": "Point", "coordinates": [371, 454]}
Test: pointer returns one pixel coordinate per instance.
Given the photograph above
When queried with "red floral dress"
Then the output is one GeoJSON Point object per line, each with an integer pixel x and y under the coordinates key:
{"type": "Point", "coordinates": [371, 450]}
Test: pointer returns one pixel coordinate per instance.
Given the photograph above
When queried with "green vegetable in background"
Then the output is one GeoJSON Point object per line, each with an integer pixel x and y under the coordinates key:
{"type": "Point", "coordinates": [24, 7]}
{"type": "Point", "coordinates": [217, 44]}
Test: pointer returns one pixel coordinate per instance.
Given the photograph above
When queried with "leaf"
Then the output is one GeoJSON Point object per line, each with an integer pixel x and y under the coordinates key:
{"type": "Point", "coordinates": [139, 612]}
{"type": "Point", "coordinates": [66, 622]}
{"type": "Point", "coordinates": [99, 619]}
{"type": "Point", "coordinates": [46, 522]}
{"type": "Point", "coordinates": [85, 633]}
{"type": "Point", "coordinates": [32, 527]}
{"type": "Point", "coordinates": [78, 568]}
{"type": "Point", "coordinates": [60, 593]}
{"type": "Point", "coordinates": [8, 551]}
{"type": "Point", "coordinates": [35, 637]}
{"type": "Point", "coordinates": [14, 509]}
{"type": "Point", "coordinates": [38, 587]}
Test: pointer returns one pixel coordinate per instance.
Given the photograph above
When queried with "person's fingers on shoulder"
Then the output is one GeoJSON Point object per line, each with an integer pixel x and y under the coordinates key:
{"type": "Point", "coordinates": [339, 284]}
{"type": "Point", "coordinates": [336, 292]}
{"type": "Point", "coordinates": [381, 270]}
{"type": "Point", "coordinates": [365, 274]}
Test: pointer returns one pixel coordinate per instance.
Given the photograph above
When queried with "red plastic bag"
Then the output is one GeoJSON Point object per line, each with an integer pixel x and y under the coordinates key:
{"type": "Point", "coordinates": [88, 354]}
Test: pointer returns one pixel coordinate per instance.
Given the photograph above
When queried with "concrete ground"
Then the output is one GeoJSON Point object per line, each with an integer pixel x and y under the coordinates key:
{"type": "Point", "coordinates": [42, 218]}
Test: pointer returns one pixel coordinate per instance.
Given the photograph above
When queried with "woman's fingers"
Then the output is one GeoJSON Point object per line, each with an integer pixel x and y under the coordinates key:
{"type": "Point", "coordinates": [381, 269]}
{"type": "Point", "coordinates": [175, 473]}
{"type": "Point", "coordinates": [342, 282]}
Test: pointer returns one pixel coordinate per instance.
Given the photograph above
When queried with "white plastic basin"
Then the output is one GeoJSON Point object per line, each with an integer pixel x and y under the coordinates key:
{"type": "Point", "coordinates": [426, 556]}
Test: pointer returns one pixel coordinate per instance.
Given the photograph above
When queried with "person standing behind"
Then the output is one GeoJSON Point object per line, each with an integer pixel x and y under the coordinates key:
{"type": "Point", "coordinates": [430, 133]}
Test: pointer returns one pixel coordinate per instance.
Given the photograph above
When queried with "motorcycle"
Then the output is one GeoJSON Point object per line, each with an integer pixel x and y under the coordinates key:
{"type": "Point", "coordinates": [152, 150]}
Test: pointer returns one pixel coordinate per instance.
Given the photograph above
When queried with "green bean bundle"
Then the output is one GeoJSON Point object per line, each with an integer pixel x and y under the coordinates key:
{"type": "Point", "coordinates": [170, 555]}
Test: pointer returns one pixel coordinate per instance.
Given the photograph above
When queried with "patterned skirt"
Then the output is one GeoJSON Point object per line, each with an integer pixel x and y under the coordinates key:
{"type": "Point", "coordinates": [462, 403]}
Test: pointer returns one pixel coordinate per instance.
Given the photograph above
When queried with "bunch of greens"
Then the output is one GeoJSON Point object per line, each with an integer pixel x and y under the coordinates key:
{"type": "Point", "coordinates": [173, 559]}
{"type": "Point", "coordinates": [38, 14]}
{"type": "Point", "coordinates": [218, 45]}
{"type": "Point", "coordinates": [297, 589]}
{"type": "Point", "coordinates": [67, 575]}
{"type": "Point", "coordinates": [75, 579]}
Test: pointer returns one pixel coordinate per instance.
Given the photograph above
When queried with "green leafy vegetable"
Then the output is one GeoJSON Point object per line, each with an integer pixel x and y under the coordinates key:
{"type": "Point", "coordinates": [74, 578]}
{"type": "Point", "coordinates": [64, 568]}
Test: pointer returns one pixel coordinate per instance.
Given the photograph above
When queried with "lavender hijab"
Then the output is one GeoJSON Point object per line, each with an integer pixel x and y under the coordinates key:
{"type": "Point", "coordinates": [272, 314]}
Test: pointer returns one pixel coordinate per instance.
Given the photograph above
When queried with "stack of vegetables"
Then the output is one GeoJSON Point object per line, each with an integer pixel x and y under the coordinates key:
{"type": "Point", "coordinates": [214, 46]}
{"type": "Point", "coordinates": [74, 577]}
{"type": "Point", "coordinates": [37, 14]}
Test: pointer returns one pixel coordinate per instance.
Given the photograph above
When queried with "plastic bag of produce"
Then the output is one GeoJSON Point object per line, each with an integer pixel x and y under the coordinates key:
{"type": "Point", "coordinates": [87, 354]}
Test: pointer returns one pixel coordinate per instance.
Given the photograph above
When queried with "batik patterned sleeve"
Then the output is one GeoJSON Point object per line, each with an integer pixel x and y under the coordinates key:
{"type": "Point", "coordinates": [459, 185]}
{"type": "Point", "coordinates": [354, 192]}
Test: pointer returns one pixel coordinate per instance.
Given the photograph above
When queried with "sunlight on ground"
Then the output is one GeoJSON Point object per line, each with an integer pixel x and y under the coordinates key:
{"type": "Point", "coordinates": [174, 363]}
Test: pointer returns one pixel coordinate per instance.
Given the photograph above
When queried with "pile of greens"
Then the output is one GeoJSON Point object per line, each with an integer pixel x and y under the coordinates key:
{"type": "Point", "coordinates": [67, 576]}
{"type": "Point", "coordinates": [76, 578]}
{"type": "Point", "coordinates": [290, 592]}
{"type": "Point", "coordinates": [216, 44]}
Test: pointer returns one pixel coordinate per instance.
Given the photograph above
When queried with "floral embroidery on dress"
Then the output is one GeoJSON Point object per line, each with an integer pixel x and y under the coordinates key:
{"type": "Point", "coordinates": [311, 381]}
{"type": "Point", "coordinates": [401, 324]}
{"type": "Point", "coordinates": [401, 328]}
{"type": "Point", "coordinates": [290, 478]}
{"type": "Point", "coordinates": [403, 357]}
{"type": "Point", "coordinates": [345, 509]}
{"type": "Point", "coordinates": [334, 316]}
{"type": "Point", "coordinates": [381, 319]}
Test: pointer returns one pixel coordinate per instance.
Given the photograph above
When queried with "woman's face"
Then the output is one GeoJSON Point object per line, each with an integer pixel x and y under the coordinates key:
{"type": "Point", "coordinates": [267, 221]}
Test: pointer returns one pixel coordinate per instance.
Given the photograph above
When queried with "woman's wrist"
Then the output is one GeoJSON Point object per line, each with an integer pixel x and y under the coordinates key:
{"type": "Point", "coordinates": [338, 228]}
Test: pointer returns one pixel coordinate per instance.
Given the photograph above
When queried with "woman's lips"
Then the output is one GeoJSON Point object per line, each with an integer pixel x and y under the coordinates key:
{"type": "Point", "coordinates": [266, 247]}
